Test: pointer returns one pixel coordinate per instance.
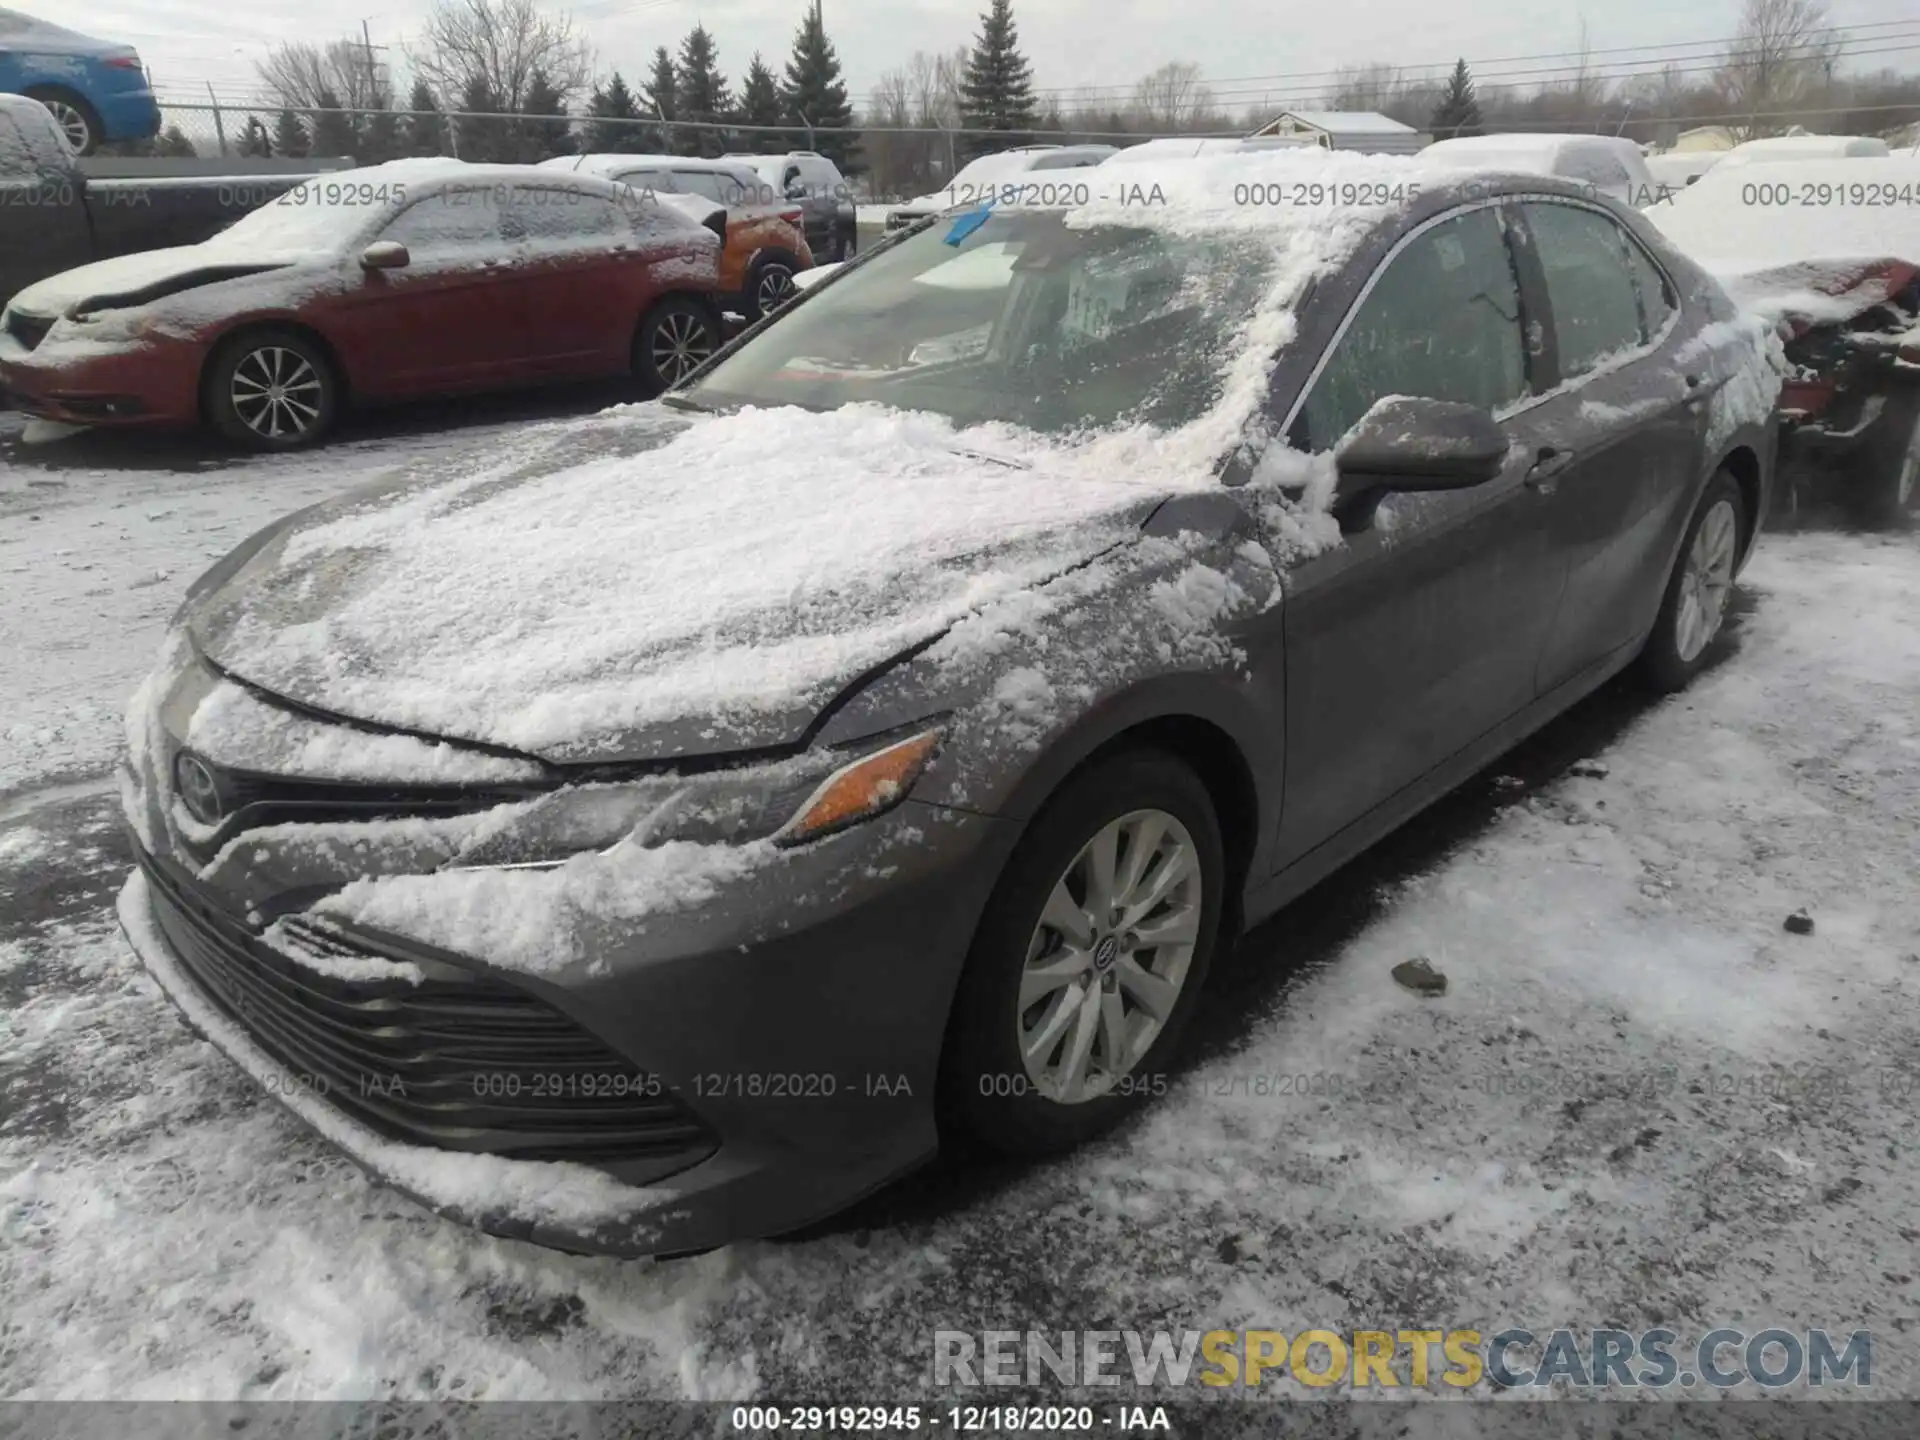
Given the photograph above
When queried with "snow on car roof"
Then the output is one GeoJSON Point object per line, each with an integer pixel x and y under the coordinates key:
{"type": "Point", "coordinates": [1545, 149]}
{"type": "Point", "coordinates": [1805, 147]}
{"type": "Point", "coordinates": [1779, 234]}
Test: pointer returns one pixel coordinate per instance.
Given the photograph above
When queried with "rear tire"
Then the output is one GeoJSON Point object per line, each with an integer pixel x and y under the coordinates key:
{"type": "Point", "coordinates": [79, 120]}
{"type": "Point", "coordinates": [271, 390]}
{"type": "Point", "coordinates": [1133, 984]}
{"type": "Point", "coordinates": [770, 284]}
{"type": "Point", "coordinates": [1885, 476]}
{"type": "Point", "coordinates": [673, 338]}
{"type": "Point", "coordinates": [1700, 590]}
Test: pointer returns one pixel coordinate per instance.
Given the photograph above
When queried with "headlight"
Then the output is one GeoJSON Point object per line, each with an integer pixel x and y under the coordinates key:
{"type": "Point", "coordinates": [789, 802]}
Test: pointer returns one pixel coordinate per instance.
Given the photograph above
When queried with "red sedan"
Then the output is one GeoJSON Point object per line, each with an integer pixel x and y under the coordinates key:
{"type": "Point", "coordinates": [415, 278]}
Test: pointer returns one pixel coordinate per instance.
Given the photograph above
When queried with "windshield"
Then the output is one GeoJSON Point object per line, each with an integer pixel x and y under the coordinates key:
{"type": "Point", "coordinates": [317, 215]}
{"type": "Point", "coordinates": [1023, 321]}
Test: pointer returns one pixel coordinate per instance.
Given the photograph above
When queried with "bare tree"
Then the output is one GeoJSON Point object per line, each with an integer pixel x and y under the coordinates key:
{"type": "Point", "coordinates": [1373, 86]}
{"type": "Point", "coordinates": [1173, 98]}
{"type": "Point", "coordinates": [494, 47]}
{"type": "Point", "coordinates": [1783, 53]}
{"type": "Point", "coordinates": [295, 74]}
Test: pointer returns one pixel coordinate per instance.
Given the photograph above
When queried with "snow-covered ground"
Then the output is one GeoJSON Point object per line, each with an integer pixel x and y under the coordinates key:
{"type": "Point", "coordinates": [1639, 1102]}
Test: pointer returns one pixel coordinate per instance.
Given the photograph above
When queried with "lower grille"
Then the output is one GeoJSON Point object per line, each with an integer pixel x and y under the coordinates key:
{"type": "Point", "coordinates": [467, 1063]}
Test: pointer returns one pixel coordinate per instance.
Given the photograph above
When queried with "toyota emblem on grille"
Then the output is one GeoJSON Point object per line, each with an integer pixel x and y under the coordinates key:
{"type": "Point", "coordinates": [199, 791]}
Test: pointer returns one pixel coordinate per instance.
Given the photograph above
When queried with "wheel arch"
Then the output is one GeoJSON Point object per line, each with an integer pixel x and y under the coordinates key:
{"type": "Point", "coordinates": [254, 324]}
{"type": "Point", "coordinates": [1202, 721]}
{"type": "Point", "coordinates": [1743, 463]}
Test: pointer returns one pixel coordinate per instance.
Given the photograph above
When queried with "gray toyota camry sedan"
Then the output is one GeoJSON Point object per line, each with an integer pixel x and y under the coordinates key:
{"type": "Point", "coordinates": [661, 828]}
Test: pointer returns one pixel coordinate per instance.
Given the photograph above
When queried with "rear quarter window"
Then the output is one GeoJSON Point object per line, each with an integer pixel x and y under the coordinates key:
{"type": "Point", "coordinates": [1590, 284]}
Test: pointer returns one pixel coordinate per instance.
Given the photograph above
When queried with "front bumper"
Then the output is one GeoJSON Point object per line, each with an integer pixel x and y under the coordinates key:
{"type": "Point", "coordinates": [151, 383]}
{"type": "Point", "coordinates": [802, 1062]}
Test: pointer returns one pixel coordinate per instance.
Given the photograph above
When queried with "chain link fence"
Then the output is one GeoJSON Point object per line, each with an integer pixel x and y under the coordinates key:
{"type": "Point", "coordinates": [371, 136]}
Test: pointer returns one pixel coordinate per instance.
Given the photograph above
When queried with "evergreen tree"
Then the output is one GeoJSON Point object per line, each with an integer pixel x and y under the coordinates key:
{"type": "Point", "coordinates": [660, 100]}
{"type": "Point", "coordinates": [255, 139]}
{"type": "Point", "coordinates": [332, 126]}
{"type": "Point", "coordinates": [174, 144]}
{"type": "Point", "coordinates": [996, 93]}
{"type": "Point", "coordinates": [760, 107]}
{"type": "Point", "coordinates": [1458, 112]}
{"type": "Point", "coordinates": [610, 129]}
{"type": "Point", "coordinates": [289, 136]}
{"type": "Point", "coordinates": [815, 95]}
{"type": "Point", "coordinates": [378, 133]}
{"type": "Point", "coordinates": [552, 132]}
{"type": "Point", "coordinates": [478, 134]}
{"type": "Point", "coordinates": [700, 91]}
{"type": "Point", "coordinates": [425, 131]}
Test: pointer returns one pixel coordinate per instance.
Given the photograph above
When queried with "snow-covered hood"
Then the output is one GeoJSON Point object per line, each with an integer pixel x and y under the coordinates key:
{"type": "Point", "coordinates": [1804, 240]}
{"type": "Point", "coordinates": [646, 584]}
{"type": "Point", "coordinates": [148, 274]}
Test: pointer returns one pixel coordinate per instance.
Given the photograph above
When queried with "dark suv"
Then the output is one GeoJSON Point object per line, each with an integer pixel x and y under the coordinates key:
{"type": "Point", "coordinates": [825, 198]}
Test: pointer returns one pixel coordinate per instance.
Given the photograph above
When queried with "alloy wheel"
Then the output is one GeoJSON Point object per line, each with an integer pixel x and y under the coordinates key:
{"type": "Point", "coordinates": [276, 393]}
{"type": "Point", "coordinates": [775, 288]}
{"type": "Point", "coordinates": [681, 342]}
{"type": "Point", "coordinates": [73, 124]}
{"type": "Point", "coordinates": [1706, 582]}
{"type": "Point", "coordinates": [1109, 957]}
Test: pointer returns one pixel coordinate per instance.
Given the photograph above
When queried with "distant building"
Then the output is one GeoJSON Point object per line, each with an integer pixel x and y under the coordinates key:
{"type": "Point", "coordinates": [1705, 137]}
{"type": "Point", "coordinates": [1365, 130]}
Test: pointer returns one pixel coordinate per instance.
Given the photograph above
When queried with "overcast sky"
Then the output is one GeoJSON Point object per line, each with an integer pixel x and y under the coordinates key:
{"type": "Point", "coordinates": [1247, 48]}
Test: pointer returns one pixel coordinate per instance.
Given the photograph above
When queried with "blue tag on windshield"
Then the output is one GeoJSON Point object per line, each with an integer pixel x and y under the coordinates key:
{"type": "Point", "coordinates": [968, 223]}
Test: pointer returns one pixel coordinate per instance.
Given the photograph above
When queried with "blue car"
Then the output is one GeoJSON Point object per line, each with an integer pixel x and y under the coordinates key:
{"type": "Point", "coordinates": [97, 90]}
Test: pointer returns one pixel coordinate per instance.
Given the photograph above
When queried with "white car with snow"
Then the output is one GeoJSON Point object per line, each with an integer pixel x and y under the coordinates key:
{"type": "Point", "coordinates": [1028, 174]}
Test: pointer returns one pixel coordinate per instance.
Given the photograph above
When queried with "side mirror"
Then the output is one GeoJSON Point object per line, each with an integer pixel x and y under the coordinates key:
{"type": "Point", "coordinates": [1405, 443]}
{"type": "Point", "coordinates": [385, 255]}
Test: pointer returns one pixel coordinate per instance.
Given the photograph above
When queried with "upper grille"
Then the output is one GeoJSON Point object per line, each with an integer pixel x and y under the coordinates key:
{"type": "Point", "coordinates": [460, 1061]}
{"type": "Point", "coordinates": [249, 800]}
{"type": "Point", "coordinates": [29, 330]}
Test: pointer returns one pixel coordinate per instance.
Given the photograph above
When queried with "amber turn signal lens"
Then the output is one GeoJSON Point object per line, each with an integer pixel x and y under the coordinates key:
{"type": "Point", "coordinates": [869, 785]}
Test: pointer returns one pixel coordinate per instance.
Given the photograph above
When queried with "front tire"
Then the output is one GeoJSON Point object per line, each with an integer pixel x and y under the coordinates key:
{"type": "Point", "coordinates": [271, 390]}
{"type": "Point", "coordinates": [1089, 958]}
{"type": "Point", "coordinates": [674, 338]}
{"type": "Point", "coordinates": [1699, 590]}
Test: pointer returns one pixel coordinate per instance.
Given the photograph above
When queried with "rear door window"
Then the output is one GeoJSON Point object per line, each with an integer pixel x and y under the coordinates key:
{"type": "Point", "coordinates": [559, 216]}
{"type": "Point", "coordinates": [1442, 322]}
{"type": "Point", "coordinates": [1590, 284]}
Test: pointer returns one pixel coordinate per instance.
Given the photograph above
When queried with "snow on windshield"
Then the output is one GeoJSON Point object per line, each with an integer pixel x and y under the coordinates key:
{"type": "Point", "coordinates": [1157, 306]}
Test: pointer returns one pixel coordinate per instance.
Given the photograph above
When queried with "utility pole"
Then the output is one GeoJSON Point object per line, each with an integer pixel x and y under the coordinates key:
{"type": "Point", "coordinates": [368, 47]}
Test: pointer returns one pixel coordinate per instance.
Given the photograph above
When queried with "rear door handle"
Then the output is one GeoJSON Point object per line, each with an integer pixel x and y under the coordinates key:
{"type": "Point", "coordinates": [1544, 473]}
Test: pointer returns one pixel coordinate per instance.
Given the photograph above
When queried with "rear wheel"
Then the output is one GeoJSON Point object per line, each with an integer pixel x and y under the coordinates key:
{"type": "Point", "coordinates": [1886, 473]}
{"type": "Point", "coordinates": [1700, 589]}
{"type": "Point", "coordinates": [75, 117]}
{"type": "Point", "coordinates": [770, 285]}
{"type": "Point", "coordinates": [1089, 958]}
{"type": "Point", "coordinates": [271, 390]}
{"type": "Point", "coordinates": [674, 338]}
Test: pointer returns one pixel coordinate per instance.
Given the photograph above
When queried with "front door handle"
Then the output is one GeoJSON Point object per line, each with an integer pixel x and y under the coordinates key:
{"type": "Point", "coordinates": [1544, 473]}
